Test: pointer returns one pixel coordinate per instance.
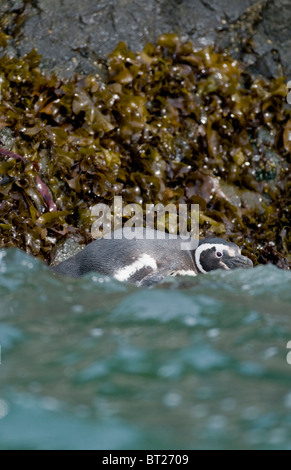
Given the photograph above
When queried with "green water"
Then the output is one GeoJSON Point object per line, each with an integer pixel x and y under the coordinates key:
{"type": "Point", "coordinates": [96, 364]}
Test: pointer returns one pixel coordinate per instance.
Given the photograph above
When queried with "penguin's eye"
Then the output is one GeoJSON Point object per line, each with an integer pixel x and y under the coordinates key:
{"type": "Point", "coordinates": [218, 254]}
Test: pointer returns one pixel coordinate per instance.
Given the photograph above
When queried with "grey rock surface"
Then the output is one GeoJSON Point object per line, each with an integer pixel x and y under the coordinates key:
{"type": "Point", "coordinates": [76, 35]}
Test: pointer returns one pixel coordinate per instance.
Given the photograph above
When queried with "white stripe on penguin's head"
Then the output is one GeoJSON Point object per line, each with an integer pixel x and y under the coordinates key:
{"type": "Point", "coordinates": [208, 246]}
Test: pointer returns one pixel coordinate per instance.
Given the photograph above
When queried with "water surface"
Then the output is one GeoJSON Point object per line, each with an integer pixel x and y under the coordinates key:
{"type": "Point", "coordinates": [97, 364]}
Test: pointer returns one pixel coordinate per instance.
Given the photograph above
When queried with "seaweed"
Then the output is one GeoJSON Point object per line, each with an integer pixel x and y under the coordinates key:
{"type": "Point", "coordinates": [172, 125]}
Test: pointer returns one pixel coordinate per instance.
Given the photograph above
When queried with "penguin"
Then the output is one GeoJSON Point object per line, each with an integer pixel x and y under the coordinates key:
{"type": "Point", "coordinates": [147, 259]}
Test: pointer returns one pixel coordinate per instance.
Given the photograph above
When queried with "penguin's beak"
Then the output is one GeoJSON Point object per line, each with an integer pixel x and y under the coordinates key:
{"type": "Point", "coordinates": [239, 261]}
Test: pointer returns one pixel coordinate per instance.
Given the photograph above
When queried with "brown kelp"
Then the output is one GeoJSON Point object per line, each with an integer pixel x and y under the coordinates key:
{"type": "Point", "coordinates": [171, 125]}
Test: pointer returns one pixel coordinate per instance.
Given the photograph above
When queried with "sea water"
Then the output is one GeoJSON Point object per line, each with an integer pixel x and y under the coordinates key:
{"type": "Point", "coordinates": [193, 363]}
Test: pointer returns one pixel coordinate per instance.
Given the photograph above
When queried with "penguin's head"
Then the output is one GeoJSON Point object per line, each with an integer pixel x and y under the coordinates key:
{"type": "Point", "coordinates": [216, 253]}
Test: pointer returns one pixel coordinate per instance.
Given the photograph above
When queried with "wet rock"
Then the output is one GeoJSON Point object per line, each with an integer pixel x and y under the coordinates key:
{"type": "Point", "coordinates": [7, 138]}
{"type": "Point", "coordinates": [75, 36]}
{"type": "Point", "coordinates": [65, 250]}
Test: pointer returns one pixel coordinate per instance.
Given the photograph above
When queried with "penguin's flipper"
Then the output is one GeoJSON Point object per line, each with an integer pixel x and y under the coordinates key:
{"type": "Point", "coordinates": [152, 279]}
